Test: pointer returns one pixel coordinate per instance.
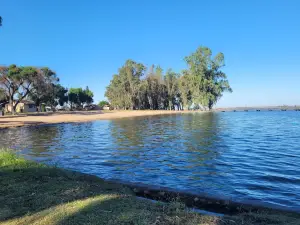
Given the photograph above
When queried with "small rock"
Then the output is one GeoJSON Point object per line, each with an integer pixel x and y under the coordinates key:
{"type": "Point", "coordinates": [162, 193]}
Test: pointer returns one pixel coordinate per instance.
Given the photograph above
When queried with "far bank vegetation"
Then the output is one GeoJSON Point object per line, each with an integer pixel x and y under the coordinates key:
{"type": "Point", "coordinates": [40, 85]}
{"type": "Point", "coordinates": [199, 86]}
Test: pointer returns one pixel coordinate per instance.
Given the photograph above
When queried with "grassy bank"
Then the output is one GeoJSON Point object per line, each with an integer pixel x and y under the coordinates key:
{"type": "Point", "coordinates": [32, 193]}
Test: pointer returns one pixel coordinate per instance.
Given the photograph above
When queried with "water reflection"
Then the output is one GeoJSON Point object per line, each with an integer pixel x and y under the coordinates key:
{"type": "Point", "coordinates": [245, 156]}
{"type": "Point", "coordinates": [32, 140]}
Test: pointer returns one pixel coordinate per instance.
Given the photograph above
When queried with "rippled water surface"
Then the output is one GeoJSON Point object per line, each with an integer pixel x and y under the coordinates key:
{"type": "Point", "coordinates": [246, 156]}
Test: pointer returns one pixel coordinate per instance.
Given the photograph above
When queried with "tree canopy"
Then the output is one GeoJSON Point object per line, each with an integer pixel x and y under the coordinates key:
{"type": "Point", "coordinates": [53, 96]}
{"type": "Point", "coordinates": [19, 82]}
{"type": "Point", "coordinates": [201, 85]}
{"type": "Point", "coordinates": [203, 81]}
{"type": "Point", "coordinates": [40, 85]}
{"type": "Point", "coordinates": [135, 86]}
{"type": "Point", "coordinates": [78, 97]}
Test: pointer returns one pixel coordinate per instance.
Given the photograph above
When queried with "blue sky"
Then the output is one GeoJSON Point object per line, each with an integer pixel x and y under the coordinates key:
{"type": "Point", "coordinates": [86, 42]}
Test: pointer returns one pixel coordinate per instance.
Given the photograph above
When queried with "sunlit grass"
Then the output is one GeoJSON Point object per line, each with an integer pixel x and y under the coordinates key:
{"type": "Point", "coordinates": [32, 193]}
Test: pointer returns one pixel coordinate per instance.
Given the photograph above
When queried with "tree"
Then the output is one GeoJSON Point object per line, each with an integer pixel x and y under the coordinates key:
{"type": "Point", "coordinates": [78, 97]}
{"type": "Point", "coordinates": [103, 103]}
{"type": "Point", "coordinates": [201, 85]}
{"type": "Point", "coordinates": [61, 94]}
{"type": "Point", "coordinates": [43, 87]}
{"type": "Point", "coordinates": [73, 96]}
{"type": "Point", "coordinates": [116, 93]}
{"type": "Point", "coordinates": [186, 85]}
{"type": "Point", "coordinates": [88, 96]}
{"type": "Point", "coordinates": [131, 73]}
{"type": "Point", "coordinates": [155, 88]}
{"type": "Point", "coordinates": [1, 21]}
{"type": "Point", "coordinates": [124, 88]}
{"type": "Point", "coordinates": [19, 82]}
{"type": "Point", "coordinates": [55, 95]}
{"type": "Point", "coordinates": [130, 89]}
{"type": "Point", "coordinates": [171, 82]}
{"type": "Point", "coordinates": [204, 79]}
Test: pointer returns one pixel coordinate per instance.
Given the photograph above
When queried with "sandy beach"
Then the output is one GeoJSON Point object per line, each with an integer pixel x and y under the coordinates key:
{"type": "Point", "coordinates": [71, 117]}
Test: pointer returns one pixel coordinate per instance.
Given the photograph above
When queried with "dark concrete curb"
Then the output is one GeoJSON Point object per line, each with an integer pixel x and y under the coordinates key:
{"type": "Point", "coordinates": [201, 201]}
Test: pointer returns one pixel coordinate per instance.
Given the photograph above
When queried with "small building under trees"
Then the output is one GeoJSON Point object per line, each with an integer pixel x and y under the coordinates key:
{"type": "Point", "coordinates": [24, 106]}
{"type": "Point", "coordinates": [106, 107]}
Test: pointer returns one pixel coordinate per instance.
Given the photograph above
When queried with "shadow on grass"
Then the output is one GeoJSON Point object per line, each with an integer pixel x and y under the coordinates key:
{"type": "Point", "coordinates": [29, 190]}
{"type": "Point", "coordinates": [31, 193]}
{"type": "Point", "coordinates": [133, 211]}
{"type": "Point", "coordinates": [130, 210]}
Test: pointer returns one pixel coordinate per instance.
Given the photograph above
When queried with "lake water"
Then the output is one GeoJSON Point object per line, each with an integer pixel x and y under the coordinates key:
{"type": "Point", "coordinates": [245, 156]}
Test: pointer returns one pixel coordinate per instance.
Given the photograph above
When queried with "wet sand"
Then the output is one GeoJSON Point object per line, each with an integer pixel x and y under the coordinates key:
{"type": "Point", "coordinates": [73, 117]}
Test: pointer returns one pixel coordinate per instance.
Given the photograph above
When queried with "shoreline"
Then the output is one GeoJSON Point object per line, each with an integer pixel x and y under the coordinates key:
{"type": "Point", "coordinates": [204, 201]}
{"type": "Point", "coordinates": [77, 117]}
{"type": "Point", "coordinates": [255, 108]}
{"type": "Point", "coordinates": [41, 194]}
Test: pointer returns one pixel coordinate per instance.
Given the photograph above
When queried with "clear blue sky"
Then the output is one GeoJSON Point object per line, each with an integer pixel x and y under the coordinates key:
{"type": "Point", "coordinates": [86, 42]}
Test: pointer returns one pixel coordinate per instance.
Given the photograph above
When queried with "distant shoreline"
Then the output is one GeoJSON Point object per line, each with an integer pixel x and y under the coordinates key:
{"type": "Point", "coordinates": [36, 119]}
{"type": "Point", "coordinates": [253, 108]}
{"type": "Point", "coordinates": [76, 117]}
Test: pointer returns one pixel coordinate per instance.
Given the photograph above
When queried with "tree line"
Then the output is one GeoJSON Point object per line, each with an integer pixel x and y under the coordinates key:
{"type": "Point", "coordinates": [40, 85]}
{"type": "Point", "coordinates": [200, 85]}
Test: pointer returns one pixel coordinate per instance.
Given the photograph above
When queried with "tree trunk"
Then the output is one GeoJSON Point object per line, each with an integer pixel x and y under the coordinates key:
{"type": "Point", "coordinates": [11, 103]}
{"type": "Point", "coordinates": [210, 105]}
{"type": "Point", "coordinates": [132, 107]}
{"type": "Point", "coordinates": [14, 110]}
{"type": "Point", "coordinates": [150, 103]}
{"type": "Point", "coordinates": [170, 105]}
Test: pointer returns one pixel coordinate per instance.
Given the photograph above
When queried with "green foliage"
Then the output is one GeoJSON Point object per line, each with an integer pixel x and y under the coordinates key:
{"type": "Point", "coordinates": [44, 88]}
{"type": "Point", "coordinates": [60, 94]}
{"type": "Point", "coordinates": [124, 88]}
{"type": "Point", "coordinates": [203, 79]}
{"type": "Point", "coordinates": [130, 89]}
{"type": "Point", "coordinates": [53, 95]}
{"type": "Point", "coordinates": [73, 96]}
{"type": "Point", "coordinates": [171, 81]}
{"type": "Point", "coordinates": [19, 82]}
{"type": "Point", "coordinates": [103, 103]}
{"type": "Point", "coordinates": [1, 21]}
{"type": "Point", "coordinates": [201, 84]}
{"type": "Point", "coordinates": [78, 97]}
{"type": "Point", "coordinates": [87, 96]}
{"type": "Point", "coordinates": [39, 84]}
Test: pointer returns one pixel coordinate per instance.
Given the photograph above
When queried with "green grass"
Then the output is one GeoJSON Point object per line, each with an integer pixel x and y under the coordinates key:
{"type": "Point", "coordinates": [32, 193]}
